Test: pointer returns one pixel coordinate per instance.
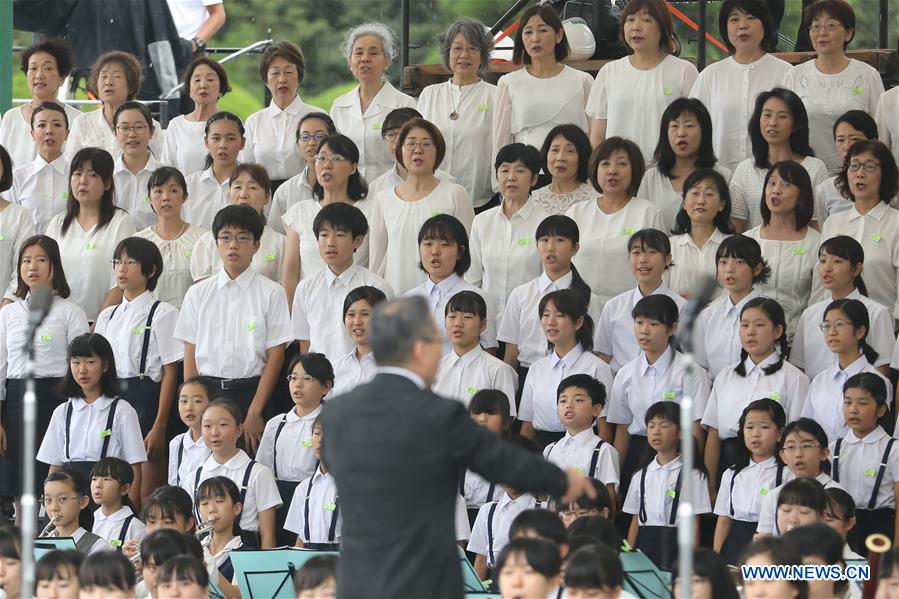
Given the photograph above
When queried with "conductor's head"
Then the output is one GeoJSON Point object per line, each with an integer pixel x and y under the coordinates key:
{"type": "Point", "coordinates": [403, 334]}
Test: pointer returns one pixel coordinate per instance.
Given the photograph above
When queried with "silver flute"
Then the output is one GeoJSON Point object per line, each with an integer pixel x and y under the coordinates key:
{"type": "Point", "coordinates": [50, 525]}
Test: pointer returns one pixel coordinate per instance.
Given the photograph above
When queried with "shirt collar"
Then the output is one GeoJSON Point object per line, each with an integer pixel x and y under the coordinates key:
{"type": "Point", "coordinates": [116, 516]}
{"type": "Point", "coordinates": [672, 465]}
{"type": "Point", "coordinates": [293, 108]}
{"type": "Point", "coordinates": [523, 501]}
{"type": "Point", "coordinates": [100, 404]}
{"type": "Point", "coordinates": [239, 460]}
{"type": "Point", "coordinates": [579, 438]}
{"type": "Point", "coordinates": [823, 478]}
{"type": "Point", "coordinates": [877, 212]}
{"type": "Point", "coordinates": [444, 285]}
{"type": "Point", "coordinates": [523, 212]}
{"type": "Point", "coordinates": [206, 174]}
{"type": "Point", "coordinates": [343, 277]}
{"type": "Point", "coordinates": [235, 543]}
{"type": "Point", "coordinates": [750, 365]}
{"type": "Point", "coordinates": [403, 372]}
{"type": "Point", "coordinates": [149, 167]}
{"type": "Point", "coordinates": [570, 358]}
{"type": "Point", "coordinates": [544, 282]}
{"type": "Point", "coordinates": [243, 279]}
{"type": "Point", "coordinates": [138, 302]}
{"type": "Point", "coordinates": [661, 365]}
{"type": "Point", "coordinates": [469, 357]}
{"type": "Point", "coordinates": [731, 307]}
{"type": "Point", "coordinates": [310, 417]}
{"type": "Point", "coordinates": [853, 368]}
{"type": "Point", "coordinates": [189, 443]}
{"type": "Point", "coordinates": [59, 165]}
{"type": "Point", "coordinates": [873, 437]}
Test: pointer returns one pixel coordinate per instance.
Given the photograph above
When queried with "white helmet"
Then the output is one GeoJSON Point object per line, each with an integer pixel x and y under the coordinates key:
{"type": "Point", "coordinates": [580, 39]}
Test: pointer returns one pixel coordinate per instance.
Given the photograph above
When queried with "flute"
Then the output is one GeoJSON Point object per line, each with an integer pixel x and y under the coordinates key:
{"type": "Point", "coordinates": [50, 524]}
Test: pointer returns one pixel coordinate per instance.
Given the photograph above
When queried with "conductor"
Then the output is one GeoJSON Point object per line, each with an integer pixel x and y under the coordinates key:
{"type": "Point", "coordinates": [395, 450]}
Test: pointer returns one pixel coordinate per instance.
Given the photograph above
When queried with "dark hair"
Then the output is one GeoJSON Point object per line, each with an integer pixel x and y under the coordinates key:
{"type": "Point", "coordinates": [314, 572]}
{"type": "Point", "coordinates": [664, 153]}
{"type": "Point", "coordinates": [398, 117]}
{"type": "Point", "coordinates": [470, 302]}
{"type": "Point", "coordinates": [594, 567]}
{"type": "Point", "coordinates": [224, 488]}
{"type": "Point", "coordinates": [229, 406]}
{"type": "Point", "coordinates": [889, 178]}
{"type": "Point", "coordinates": [798, 139]}
{"type": "Point", "coordinates": [652, 239]}
{"type": "Point", "coordinates": [51, 248]}
{"type": "Point", "coordinates": [168, 501]}
{"type": "Point", "coordinates": [551, 18]}
{"type": "Point", "coordinates": [356, 187]}
{"type": "Point", "coordinates": [559, 225]}
{"type": "Point", "coordinates": [372, 295]}
{"type": "Point", "coordinates": [682, 222]}
{"type": "Point", "coordinates": [85, 346]}
{"type": "Point", "coordinates": [858, 120]}
{"type": "Point", "coordinates": [56, 47]}
{"type": "Point", "coordinates": [315, 365]}
{"type": "Point", "coordinates": [847, 248]}
{"type": "Point", "coordinates": [780, 552]}
{"type": "Point", "coordinates": [322, 116]}
{"type": "Point", "coordinates": [146, 253]}
{"type": "Point", "coordinates": [183, 568]}
{"type": "Point", "coordinates": [6, 167]}
{"type": "Point", "coordinates": [519, 152]}
{"type": "Point", "coordinates": [602, 501]}
{"type": "Point", "coordinates": [492, 401]}
{"type": "Point", "coordinates": [795, 173]}
{"type": "Point", "coordinates": [658, 10]}
{"type": "Point", "coordinates": [807, 426]}
{"type": "Point", "coordinates": [432, 130]}
{"type": "Point", "coordinates": [240, 216]}
{"type": "Point", "coordinates": [118, 470]}
{"type": "Point", "coordinates": [756, 8]}
{"type": "Point", "coordinates": [806, 492]}
{"type": "Point", "coordinates": [221, 115]}
{"type": "Point", "coordinates": [53, 106]}
{"type": "Point", "coordinates": [54, 564]}
{"type": "Point", "coordinates": [73, 478]}
{"type": "Point", "coordinates": [817, 540]}
{"type": "Point", "coordinates": [219, 70]}
{"type": "Point", "coordinates": [163, 544]}
{"type": "Point", "coordinates": [670, 411]}
{"type": "Point", "coordinates": [841, 505]}
{"type": "Point", "coordinates": [163, 175]}
{"type": "Point", "coordinates": [101, 163]}
{"type": "Point", "coordinates": [107, 569]}
{"type": "Point", "coordinates": [658, 307]}
{"type": "Point", "coordinates": [286, 50]}
{"type": "Point", "coordinates": [571, 304]}
{"type": "Point", "coordinates": [595, 389]}
{"type": "Point", "coordinates": [778, 416]}
{"type": "Point", "coordinates": [134, 71]}
{"type": "Point", "coordinates": [576, 136]}
{"type": "Point", "coordinates": [746, 249]}
{"type": "Point", "coordinates": [709, 565]}
{"type": "Point", "coordinates": [875, 386]}
{"type": "Point", "coordinates": [857, 314]}
{"type": "Point", "coordinates": [608, 147]}
{"type": "Point", "coordinates": [446, 227]}
{"type": "Point", "coordinates": [10, 547]}
{"type": "Point", "coordinates": [133, 105]}
{"type": "Point", "coordinates": [207, 383]}
{"type": "Point", "coordinates": [396, 326]}
{"type": "Point", "coordinates": [257, 172]}
{"type": "Point", "coordinates": [541, 555]}
{"type": "Point", "coordinates": [546, 525]}
{"type": "Point", "coordinates": [836, 9]}
{"type": "Point", "coordinates": [342, 217]}
{"type": "Point", "coordinates": [775, 313]}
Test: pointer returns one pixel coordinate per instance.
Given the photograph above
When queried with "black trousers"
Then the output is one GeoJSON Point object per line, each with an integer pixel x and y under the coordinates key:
{"type": "Point", "coordinates": [11, 414]}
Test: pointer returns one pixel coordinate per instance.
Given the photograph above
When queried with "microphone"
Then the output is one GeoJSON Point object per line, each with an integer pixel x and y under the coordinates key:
{"type": "Point", "coordinates": [39, 303]}
{"type": "Point", "coordinates": [704, 293]}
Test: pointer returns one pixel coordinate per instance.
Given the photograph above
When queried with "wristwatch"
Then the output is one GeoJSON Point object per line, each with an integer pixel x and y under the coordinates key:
{"type": "Point", "coordinates": [200, 45]}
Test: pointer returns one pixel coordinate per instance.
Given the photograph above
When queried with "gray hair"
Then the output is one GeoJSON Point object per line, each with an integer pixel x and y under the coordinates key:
{"type": "Point", "coordinates": [379, 30]}
{"type": "Point", "coordinates": [475, 32]}
{"type": "Point", "coordinates": [396, 326]}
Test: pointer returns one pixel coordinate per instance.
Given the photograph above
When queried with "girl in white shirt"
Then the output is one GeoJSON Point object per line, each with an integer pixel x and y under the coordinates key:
{"type": "Point", "coordinates": [65, 496]}
{"type": "Point", "coordinates": [778, 130]}
{"type": "Point", "coordinates": [565, 155]}
{"type": "Point", "coordinates": [700, 226]}
{"type": "Point", "coordinates": [219, 501]}
{"type": "Point", "coordinates": [685, 144]}
{"type": "Point", "coordinates": [134, 127]}
{"type": "Point", "coordinates": [845, 325]}
{"type": "Point", "coordinates": [544, 92]}
{"type": "Point", "coordinates": [16, 225]}
{"type": "Point", "coordinates": [188, 449]}
{"type": "Point", "coordinates": [114, 520]}
{"type": "Point", "coordinates": [762, 372]}
{"type": "Point", "coordinates": [90, 229]}
{"type": "Point", "coordinates": [850, 127]}
{"type": "Point", "coordinates": [358, 366]}
{"type": "Point", "coordinates": [208, 189]}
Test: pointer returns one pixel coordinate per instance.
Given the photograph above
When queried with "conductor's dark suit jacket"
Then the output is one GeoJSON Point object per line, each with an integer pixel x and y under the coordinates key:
{"type": "Point", "coordinates": [395, 452]}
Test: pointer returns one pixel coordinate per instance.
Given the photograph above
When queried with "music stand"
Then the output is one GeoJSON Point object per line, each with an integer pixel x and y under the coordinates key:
{"type": "Point", "coordinates": [54, 543]}
{"type": "Point", "coordinates": [643, 578]}
{"type": "Point", "coordinates": [471, 583]}
{"type": "Point", "coordinates": [268, 572]}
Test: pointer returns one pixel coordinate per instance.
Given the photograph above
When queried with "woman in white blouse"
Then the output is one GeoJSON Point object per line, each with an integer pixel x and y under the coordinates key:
{"type": "Point", "coordinates": [544, 93]}
{"type": "Point", "coordinates": [778, 131]}
{"type": "Point", "coordinates": [788, 242]}
{"type": "Point", "coordinates": [206, 81]}
{"type": "Point", "coordinates": [887, 117]}
{"type": "Point", "coordinates": [115, 78]}
{"type": "Point", "coordinates": [728, 87]}
{"type": "Point", "coordinates": [15, 227]}
{"type": "Point", "coordinates": [89, 230]}
{"type": "Point", "coordinates": [271, 132]}
{"type": "Point", "coordinates": [461, 108]}
{"type": "Point", "coordinates": [565, 155]}
{"type": "Point", "coordinates": [174, 237]}
{"type": "Point", "coordinates": [630, 94]}
{"type": "Point", "coordinates": [832, 83]}
{"type": "Point", "coordinates": [46, 66]}
{"type": "Point", "coordinates": [616, 169]}
{"type": "Point", "coordinates": [398, 213]}
{"type": "Point", "coordinates": [849, 128]}
{"type": "Point", "coordinates": [359, 113]}
{"type": "Point", "coordinates": [134, 127]}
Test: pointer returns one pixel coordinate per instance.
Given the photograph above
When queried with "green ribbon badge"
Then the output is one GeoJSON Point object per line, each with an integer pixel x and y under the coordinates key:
{"type": "Point", "coordinates": [377, 126]}
{"type": "Point", "coordinates": [105, 433]}
{"type": "Point", "coordinates": [436, 213]}
{"type": "Point", "coordinates": [876, 237]}
{"type": "Point", "coordinates": [251, 325]}
{"type": "Point", "coordinates": [775, 396]}
{"type": "Point", "coordinates": [306, 443]}
{"type": "Point", "coordinates": [763, 491]}
{"type": "Point", "coordinates": [800, 251]}
{"type": "Point", "coordinates": [670, 493]}
{"type": "Point", "coordinates": [138, 330]}
{"type": "Point", "coordinates": [472, 390]}
{"type": "Point", "coordinates": [46, 338]}
{"type": "Point", "coordinates": [628, 231]}
{"type": "Point", "coordinates": [669, 395]}
{"type": "Point", "coordinates": [524, 241]}
{"type": "Point", "coordinates": [667, 91]}
{"type": "Point", "coordinates": [858, 90]}
{"type": "Point", "coordinates": [90, 246]}
{"type": "Point", "coordinates": [483, 108]}
{"type": "Point", "coordinates": [65, 195]}
{"type": "Point", "coordinates": [870, 472]}
{"type": "Point", "coordinates": [2, 237]}
{"type": "Point", "coordinates": [330, 506]}
{"type": "Point", "coordinates": [115, 542]}
{"type": "Point", "coordinates": [146, 199]}
{"type": "Point", "coordinates": [269, 257]}
{"type": "Point", "coordinates": [188, 253]}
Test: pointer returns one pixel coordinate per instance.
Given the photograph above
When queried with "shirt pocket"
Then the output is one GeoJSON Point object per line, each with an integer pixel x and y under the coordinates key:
{"type": "Point", "coordinates": [252, 328]}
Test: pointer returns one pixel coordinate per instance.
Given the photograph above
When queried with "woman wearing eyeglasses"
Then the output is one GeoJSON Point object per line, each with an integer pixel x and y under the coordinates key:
{"type": "Point", "coordinates": [832, 83]}
{"type": "Point", "coordinates": [398, 213]}
{"type": "Point", "coordinates": [337, 179]}
{"type": "Point", "coordinates": [134, 127]}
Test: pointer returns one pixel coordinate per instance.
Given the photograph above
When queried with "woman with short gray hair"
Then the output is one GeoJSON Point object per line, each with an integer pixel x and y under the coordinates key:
{"type": "Point", "coordinates": [462, 108]}
{"type": "Point", "coordinates": [359, 113]}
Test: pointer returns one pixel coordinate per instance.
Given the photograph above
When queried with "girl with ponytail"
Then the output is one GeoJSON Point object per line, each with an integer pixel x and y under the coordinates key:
{"type": "Point", "coordinates": [209, 189]}
{"type": "Point", "coordinates": [845, 326]}
{"type": "Point", "coordinates": [840, 265]}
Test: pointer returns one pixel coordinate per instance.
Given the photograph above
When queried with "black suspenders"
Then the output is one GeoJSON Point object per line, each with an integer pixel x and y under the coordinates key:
{"type": "Point", "coordinates": [146, 345]}
{"type": "Point", "coordinates": [594, 459]}
{"type": "Point", "coordinates": [836, 461]}
{"type": "Point", "coordinates": [124, 531]}
{"type": "Point", "coordinates": [490, 513]}
{"type": "Point", "coordinates": [777, 482]}
{"type": "Point", "coordinates": [243, 485]}
{"type": "Point", "coordinates": [180, 456]}
{"type": "Point", "coordinates": [275, 447]}
{"type": "Point", "coordinates": [880, 471]}
{"type": "Point", "coordinates": [462, 474]}
{"type": "Point", "coordinates": [672, 518]}
{"type": "Point", "coordinates": [332, 529]}
{"type": "Point", "coordinates": [106, 438]}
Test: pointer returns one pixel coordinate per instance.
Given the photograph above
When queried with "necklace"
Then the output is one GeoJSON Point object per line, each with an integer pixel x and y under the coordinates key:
{"type": "Point", "coordinates": [180, 233]}
{"type": "Point", "coordinates": [454, 115]}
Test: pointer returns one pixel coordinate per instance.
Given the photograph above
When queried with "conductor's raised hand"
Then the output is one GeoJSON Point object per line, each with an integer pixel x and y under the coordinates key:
{"type": "Point", "coordinates": [578, 486]}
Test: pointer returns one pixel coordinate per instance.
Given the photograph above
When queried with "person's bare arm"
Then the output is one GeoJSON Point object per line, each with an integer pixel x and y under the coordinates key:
{"type": "Point", "coordinates": [213, 23]}
{"type": "Point", "coordinates": [598, 131]}
{"type": "Point", "coordinates": [254, 424]}
{"type": "Point", "coordinates": [527, 430]}
{"type": "Point", "coordinates": [190, 360]}
{"type": "Point", "coordinates": [622, 442]}
{"type": "Point", "coordinates": [290, 269]}
{"type": "Point", "coordinates": [510, 357]}
{"type": "Point", "coordinates": [480, 566]}
{"type": "Point", "coordinates": [267, 528]}
{"type": "Point", "coordinates": [134, 492]}
{"type": "Point", "coordinates": [722, 529]}
{"type": "Point", "coordinates": [632, 532]}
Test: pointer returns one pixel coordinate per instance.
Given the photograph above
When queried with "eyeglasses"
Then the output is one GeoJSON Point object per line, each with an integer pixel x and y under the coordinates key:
{"type": "Point", "coordinates": [802, 447]}
{"type": "Point", "coordinates": [305, 379]}
{"type": "Point", "coordinates": [830, 26]}
{"type": "Point", "coordinates": [61, 501]}
{"type": "Point", "coordinates": [129, 263]}
{"type": "Point", "coordinates": [333, 158]}
{"type": "Point", "coordinates": [315, 136]}
{"type": "Point", "coordinates": [242, 238]}
{"type": "Point", "coordinates": [463, 49]}
{"type": "Point", "coordinates": [391, 135]}
{"type": "Point", "coordinates": [869, 165]}
{"type": "Point", "coordinates": [127, 129]}
{"type": "Point", "coordinates": [425, 144]}
{"type": "Point", "coordinates": [836, 326]}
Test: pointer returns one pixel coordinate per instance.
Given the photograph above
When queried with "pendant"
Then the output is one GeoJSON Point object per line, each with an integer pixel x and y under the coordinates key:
{"type": "Point", "coordinates": [454, 115]}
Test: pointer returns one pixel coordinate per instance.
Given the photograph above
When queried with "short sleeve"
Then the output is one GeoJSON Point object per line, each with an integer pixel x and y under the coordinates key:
{"type": "Point", "coordinates": [377, 236]}
{"type": "Point", "coordinates": [173, 458]}
{"type": "Point", "coordinates": [739, 206]}
{"type": "Point", "coordinates": [710, 415]}
{"type": "Point", "coordinates": [798, 388]}
{"type": "Point", "coordinates": [722, 502]}
{"type": "Point", "coordinates": [164, 322]}
{"type": "Point", "coordinates": [201, 258]}
{"type": "Point", "coordinates": [299, 320]}
{"type": "Point", "coordinates": [265, 455]}
{"type": "Point", "coordinates": [267, 495]}
{"type": "Point", "coordinates": [510, 326]}
{"type": "Point", "coordinates": [702, 503]}
{"type": "Point", "coordinates": [463, 528]}
{"type": "Point", "coordinates": [277, 319]}
{"type": "Point", "coordinates": [598, 102]}
{"type": "Point", "coordinates": [502, 115]}
{"type": "Point", "coordinates": [475, 273]}
{"type": "Point", "coordinates": [797, 351]}
{"type": "Point", "coordinates": [607, 466]}
{"type": "Point", "coordinates": [690, 76]}
{"type": "Point", "coordinates": [619, 410]}
{"type": "Point", "coordinates": [186, 328]}
{"type": "Point", "coordinates": [632, 500]}
{"type": "Point", "coordinates": [881, 335]}
{"type": "Point", "coordinates": [463, 208]}
{"type": "Point", "coordinates": [128, 430]}
{"type": "Point", "coordinates": [700, 354]}
{"type": "Point", "coordinates": [50, 451]}
{"type": "Point", "coordinates": [526, 405]}
{"type": "Point", "coordinates": [700, 389]}
{"type": "Point", "coordinates": [477, 543]}
{"type": "Point", "coordinates": [295, 521]}
{"type": "Point", "coordinates": [507, 382]}
{"type": "Point", "coordinates": [603, 335]}
{"type": "Point", "coordinates": [767, 514]}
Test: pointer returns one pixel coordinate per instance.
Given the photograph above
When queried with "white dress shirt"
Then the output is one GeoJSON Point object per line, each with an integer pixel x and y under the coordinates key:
{"type": "Point", "coordinates": [272, 138]}
{"type": "Point", "coordinates": [291, 192]}
{"type": "Point", "coordinates": [661, 482]}
{"type": "Point", "coordinates": [860, 461]}
{"type": "Point", "coordinates": [718, 333]}
{"type": "Point", "coordinates": [350, 371]}
{"type": "Point", "coordinates": [731, 393]}
{"type": "Point", "coordinates": [603, 260]}
{"type": "Point", "coordinates": [559, 203]}
{"type": "Point", "coordinates": [109, 528]}
{"type": "Point", "coordinates": [577, 451]}
{"type": "Point", "coordinates": [753, 482]}
{"type": "Point", "coordinates": [392, 178]}
{"type": "Point", "coordinates": [365, 128]}
{"type": "Point", "coordinates": [131, 193]}
{"type": "Point", "coordinates": [460, 377]}
{"type": "Point", "coordinates": [768, 513]}
{"type": "Point", "coordinates": [640, 384]}
{"type": "Point", "coordinates": [124, 324]}
{"type": "Point", "coordinates": [505, 512]}
{"type": "Point", "coordinates": [88, 253]}
{"type": "Point", "coordinates": [504, 251]}
{"type": "Point", "coordinates": [657, 188]}
{"type": "Point", "coordinates": [15, 133]}
{"type": "Point", "coordinates": [293, 446]}
{"type": "Point", "coordinates": [43, 188]}
{"type": "Point", "coordinates": [476, 491]}
{"type": "Point", "coordinates": [16, 226]}
{"type": "Point", "coordinates": [90, 130]}
{"type": "Point", "coordinates": [317, 312]}
{"type": "Point", "coordinates": [205, 197]}
{"type": "Point", "coordinates": [205, 259]}
{"type": "Point", "coordinates": [176, 257]}
{"type": "Point", "coordinates": [887, 118]}
{"type": "Point", "coordinates": [184, 146]}
{"type": "Point", "coordinates": [65, 321]}
{"type": "Point", "coordinates": [232, 322]}
{"type": "Point", "coordinates": [539, 397]}
{"type": "Point", "coordinates": [193, 454]}
{"type": "Point", "coordinates": [322, 501]}
{"type": "Point", "coordinates": [691, 263]}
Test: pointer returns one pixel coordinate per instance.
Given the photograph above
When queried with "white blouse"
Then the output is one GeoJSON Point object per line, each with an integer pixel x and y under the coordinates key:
{"type": "Point", "coordinates": [15, 134]}
{"type": "Point", "coordinates": [729, 89]}
{"type": "Point", "coordinates": [290, 193]}
{"type": "Point", "coordinates": [15, 227]}
{"type": "Point", "coordinates": [747, 187]}
{"type": "Point", "coordinates": [131, 193]}
{"type": "Point", "coordinates": [184, 146]}
{"type": "Point", "coordinates": [887, 117]}
{"type": "Point", "coordinates": [603, 260]}
{"type": "Point", "coordinates": [829, 200]}
{"type": "Point", "coordinates": [657, 188]}
{"type": "Point", "coordinates": [43, 188]}
{"type": "Point", "coordinates": [365, 129]}
{"type": "Point", "coordinates": [718, 333]}
{"type": "Point", "coordinates": [90, 129]}
{"type": "Point", "coordinates": [205, 197]}
{"type": "Point", "coordinates": [559, 203]}
{"type": "Point", "coordinates": [632, 100]}
{"type": "Point", "coordinates": [469, 137]}
{"type": "Point", "coordinates": [272, 138]}
{"type": "Point", "coordinates": [826, 97]}
{"type": "Point", "coordinates": [394, 231]}
{"type": "Point", "coordinates": [176, 255]}
{"type": "Point", "coordinates": [539, 105]}
{"type": "Point", "coordinates": [690, 263]}
{"type": "Point", "coordinates": [206, 261]}
{"type": "Point", "coordinates": [88, 253]}
{"type": "Point", "coordinates": [350, 371]}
